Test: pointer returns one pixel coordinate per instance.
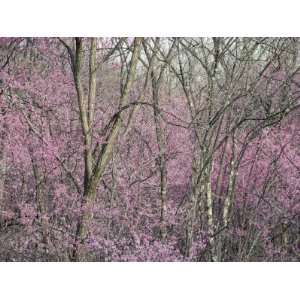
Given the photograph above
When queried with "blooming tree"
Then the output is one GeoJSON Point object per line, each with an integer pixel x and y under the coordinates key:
{"type": "Point", "coordinates": [149, 149]}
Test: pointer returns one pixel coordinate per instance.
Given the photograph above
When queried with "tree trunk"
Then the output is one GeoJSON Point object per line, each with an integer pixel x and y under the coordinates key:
{"type": "Point", "coordinates": [210, 216]}
{"type": "Point", "coordinates": [160, 138]}
{"type": "Point", "coordinates": [95, 171]}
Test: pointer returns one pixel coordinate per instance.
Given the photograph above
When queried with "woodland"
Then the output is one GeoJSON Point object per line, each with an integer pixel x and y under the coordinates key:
{"type": "Point", "coordinates": [150, 149]}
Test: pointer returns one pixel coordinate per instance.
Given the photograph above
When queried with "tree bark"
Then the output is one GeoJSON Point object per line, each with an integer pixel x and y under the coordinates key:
{"type": "Point", "coordinates": [104, 152]}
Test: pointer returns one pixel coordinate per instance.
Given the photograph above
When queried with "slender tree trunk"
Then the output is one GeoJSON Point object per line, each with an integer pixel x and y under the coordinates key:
{"type": "Point", "coordinates": [95, 170]}
{"type": "Point", "coordinates": [210, 215]}
{"type": "Point", "coordinates": [160, 138]}
{"type": "Point", "coordinates": [2, 174]}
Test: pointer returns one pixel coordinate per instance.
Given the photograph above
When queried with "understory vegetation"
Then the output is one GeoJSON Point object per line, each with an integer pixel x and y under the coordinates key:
{"type": "Point", "coordinates": [149, 149]}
